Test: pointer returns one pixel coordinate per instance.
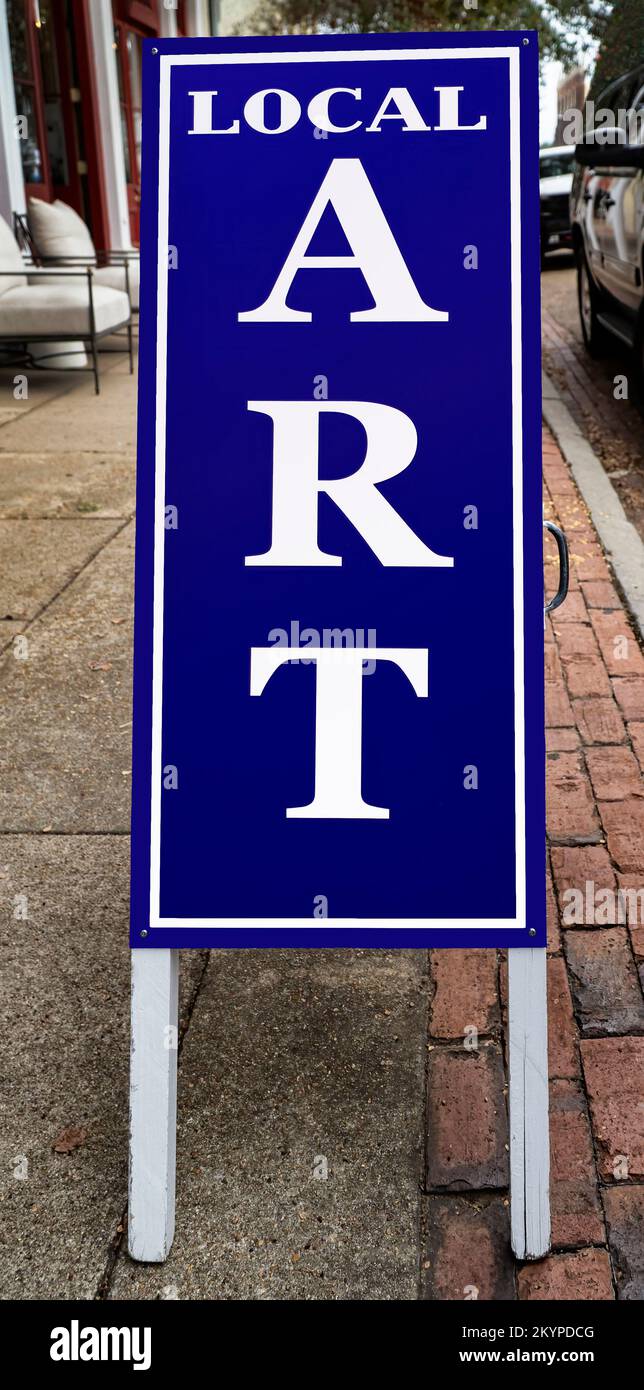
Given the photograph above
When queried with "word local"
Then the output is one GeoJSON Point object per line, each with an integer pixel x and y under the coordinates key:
{"type": "Point", "coordinates": [286, 111]}
{"type": "Point", "coordinates": [391, 447]}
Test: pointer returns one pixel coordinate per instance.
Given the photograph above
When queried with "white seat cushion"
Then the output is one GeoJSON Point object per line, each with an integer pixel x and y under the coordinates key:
{"type": "Point", "coordinates": [57, 230]}
{"type": "Point", "coordinates": [60, 308]}
{"type": "Point", "coordinates": [10, 259]}
{"type": "Point", "coordinates": [114, 275]}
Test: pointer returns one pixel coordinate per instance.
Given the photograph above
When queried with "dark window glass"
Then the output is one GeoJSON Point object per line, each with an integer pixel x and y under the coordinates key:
{"type": "Point", "coordinates": [19, 41]}
{"type": "Point", "coordinates": [30, 151]}
{"type": "Point", "coordinates": [551, 165]}
{"type": "Point", "coordinates": [54, 123]}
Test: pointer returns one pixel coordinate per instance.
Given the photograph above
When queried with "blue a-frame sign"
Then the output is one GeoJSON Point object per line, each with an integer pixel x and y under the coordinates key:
{"type": "Point", "coordinates": [338, 720]}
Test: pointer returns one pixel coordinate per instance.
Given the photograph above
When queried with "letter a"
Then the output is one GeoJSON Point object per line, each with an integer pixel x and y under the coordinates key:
{"type": "Point", "coordinates": [375, 252]}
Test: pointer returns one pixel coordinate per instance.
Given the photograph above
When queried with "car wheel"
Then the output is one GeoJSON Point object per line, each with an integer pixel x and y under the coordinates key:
{"type": "Point", "coordinates": [588, 299]}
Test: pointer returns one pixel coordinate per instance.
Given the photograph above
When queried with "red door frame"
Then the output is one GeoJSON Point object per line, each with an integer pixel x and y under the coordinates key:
{"type": "Point", "coordinates": [91, 124]}
{"type": "Point", "coordinates": [70, 192]}
{"type": "Point", "coordinates": [141, 20]}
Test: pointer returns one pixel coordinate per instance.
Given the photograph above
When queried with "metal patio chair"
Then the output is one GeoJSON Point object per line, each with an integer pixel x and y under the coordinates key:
{"type": "Point", "coordinates": [57, 306]}
{"type": "Point", "coordinates": [55, 235]}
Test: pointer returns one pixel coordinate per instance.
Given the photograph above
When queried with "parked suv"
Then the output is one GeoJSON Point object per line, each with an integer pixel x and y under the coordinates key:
{"type": "Point", "coordinates": [555, 184]}
{"type": "Point", "coordinates": [607, 215]}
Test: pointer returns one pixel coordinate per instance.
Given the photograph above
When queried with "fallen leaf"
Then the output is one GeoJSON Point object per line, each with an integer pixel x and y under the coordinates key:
{"type": "Point", "coordinates": [70, 1138]}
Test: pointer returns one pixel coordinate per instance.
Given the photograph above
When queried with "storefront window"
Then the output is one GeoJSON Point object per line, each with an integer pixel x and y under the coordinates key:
{"type": "Point", "coordinates": [39, 37]}
{"type": "Point", "coordinates": [25, 82]}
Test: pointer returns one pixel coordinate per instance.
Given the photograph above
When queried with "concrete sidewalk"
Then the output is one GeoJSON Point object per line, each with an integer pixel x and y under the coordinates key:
{"type": "Point", "coordinates": [336, 1139]}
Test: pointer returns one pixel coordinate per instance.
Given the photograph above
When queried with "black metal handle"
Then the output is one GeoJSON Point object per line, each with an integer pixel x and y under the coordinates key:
{"type": "Point", "coordinates": [564, 569]}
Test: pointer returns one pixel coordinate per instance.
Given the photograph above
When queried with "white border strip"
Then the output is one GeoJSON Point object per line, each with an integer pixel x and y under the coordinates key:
{"type": "Point", "coordinates": [517, 485]}
{"type": "Point", "coordinates": [167, 62]}
{"type": "Point", "coordinates": [307, 55]}
{"type": "Point", "coordinates": [159, 491]}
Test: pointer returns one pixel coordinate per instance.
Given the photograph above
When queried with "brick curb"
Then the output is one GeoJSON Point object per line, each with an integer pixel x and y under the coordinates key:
{"type": "Point", "coordinates": [617, 534]}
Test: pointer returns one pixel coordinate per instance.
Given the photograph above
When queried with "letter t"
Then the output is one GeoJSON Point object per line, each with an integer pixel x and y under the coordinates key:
{"type": "Point", "coordinates": [338, 720]}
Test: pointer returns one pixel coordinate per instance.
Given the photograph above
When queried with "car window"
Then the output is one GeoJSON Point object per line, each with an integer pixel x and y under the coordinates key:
{"type": "Point", "coordinates": [616, 97]}
{"type": "Point", "coordinates": [551, 165]}
{"type": "Point", "coordinates": [622, 96]}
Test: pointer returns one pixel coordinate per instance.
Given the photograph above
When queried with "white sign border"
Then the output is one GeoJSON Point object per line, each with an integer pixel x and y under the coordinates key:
{"type": "Point", "coordinates": [167, 62]}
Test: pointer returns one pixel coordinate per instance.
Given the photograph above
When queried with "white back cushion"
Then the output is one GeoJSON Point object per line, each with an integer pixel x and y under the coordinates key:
{"type": "Point", "coordinates": [57, 230]}
{"type": "Point", "coordinates": [10, 259]}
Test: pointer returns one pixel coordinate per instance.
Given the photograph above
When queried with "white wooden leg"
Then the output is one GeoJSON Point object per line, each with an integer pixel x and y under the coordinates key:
{"type": "Point", "coordinates": [153, 1103]}
{"type": "Point", "coordinates": [529, 1137]}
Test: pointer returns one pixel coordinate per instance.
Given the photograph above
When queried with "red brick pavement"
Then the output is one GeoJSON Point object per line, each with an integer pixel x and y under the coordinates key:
{"type": "Point", "coordinates": [595, 819]}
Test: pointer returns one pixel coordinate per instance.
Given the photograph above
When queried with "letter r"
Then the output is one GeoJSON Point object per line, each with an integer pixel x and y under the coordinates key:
{"type": "Point", "coordinates": [391, 446]}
